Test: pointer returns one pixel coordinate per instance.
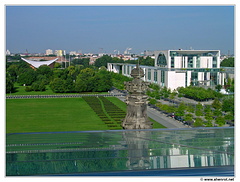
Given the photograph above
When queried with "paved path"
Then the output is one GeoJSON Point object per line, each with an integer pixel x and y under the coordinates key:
{"type": "Point", "coordinates": [164, 120]}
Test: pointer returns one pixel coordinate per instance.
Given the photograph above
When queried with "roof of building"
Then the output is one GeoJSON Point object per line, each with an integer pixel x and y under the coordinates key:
{"type": "Point", "coordinates": [37, 64]}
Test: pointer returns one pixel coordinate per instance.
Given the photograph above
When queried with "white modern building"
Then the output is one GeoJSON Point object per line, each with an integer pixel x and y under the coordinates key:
{"type": "Point", "coordinates": [37, 64]}
{"type": "Point", "coordinates": [181, 68]}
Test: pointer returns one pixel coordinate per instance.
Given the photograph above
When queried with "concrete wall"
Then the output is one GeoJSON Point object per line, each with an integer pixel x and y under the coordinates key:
{"type": "Point", "coordinates": [178, 62]}
{"type": "Point", "coordinates": [206, 62]}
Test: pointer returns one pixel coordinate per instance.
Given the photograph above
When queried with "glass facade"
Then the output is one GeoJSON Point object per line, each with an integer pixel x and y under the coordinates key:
{"type": "Point", "coordinates": [123, 150]}
{"type": "Point", "coordinates": [190, 55]}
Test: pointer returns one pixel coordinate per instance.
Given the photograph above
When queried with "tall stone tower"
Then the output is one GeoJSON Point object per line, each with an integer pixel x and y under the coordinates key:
{"type": "Point", "coordinates": [136, 101]}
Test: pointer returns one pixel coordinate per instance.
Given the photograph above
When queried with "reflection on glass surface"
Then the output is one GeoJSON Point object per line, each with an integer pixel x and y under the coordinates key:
{"type": "Point", "coordinates": [86, 152]}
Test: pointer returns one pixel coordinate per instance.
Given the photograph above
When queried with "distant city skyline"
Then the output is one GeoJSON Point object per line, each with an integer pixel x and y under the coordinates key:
{"type": "Point", "coordinates": [103, 29]}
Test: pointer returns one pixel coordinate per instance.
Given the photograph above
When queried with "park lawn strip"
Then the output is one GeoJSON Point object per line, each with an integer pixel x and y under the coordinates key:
{"type": "Point", "coordinates": [50, 115]}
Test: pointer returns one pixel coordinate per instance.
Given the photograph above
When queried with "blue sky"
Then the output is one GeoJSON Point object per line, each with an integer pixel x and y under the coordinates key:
{"type": "Point", "coordinates": [89, 28]}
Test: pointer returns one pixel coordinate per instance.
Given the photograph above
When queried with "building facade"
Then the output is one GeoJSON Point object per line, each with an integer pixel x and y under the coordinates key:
{"type": "Point", "coordinates": [181, 68]}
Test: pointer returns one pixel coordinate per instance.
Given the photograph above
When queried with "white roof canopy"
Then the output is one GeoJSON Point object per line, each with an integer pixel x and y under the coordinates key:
{"type": "Point", "coordinates": [37, 64]}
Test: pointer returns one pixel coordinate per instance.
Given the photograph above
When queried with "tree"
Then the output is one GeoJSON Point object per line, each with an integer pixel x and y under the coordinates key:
{"type": "Point", "coordinates": [27, 77]}
{"type": "Point", "coordinates": [216, 104]}
{"type": "Point", "coordinates": [80, 84]}
{"type": "Point", "coordinates": [13, 72]}
{"type": "Point", "coordinates": [57, 65]}
{"type": "Point", "coordinates": [57, 85]}
{"type": "Point", "coordinates": [102, 61]}
{"type": "Point", "coordinates": [197, 93]}
{"type": "Point", "coordinates": [198, 122]}
{"type": "Point", "coordinates": [229, 117]}
{"type": "Point", "coordinates": [118, 80]}
{"type": "Point", "coordinates": [218, 87]}
{"type": "Point", "coordinates": [43, 79]}
{"type": "Point", "coordinates": [104, 81]}
{"type": "Point", "coordinates": [57, 73]}
{"type": "Point", "coordinates": [229, 62]}
{"type": "Point", "coordinates": [83, 61]}
{"type": "Point", "coordinates": [152, 101]}
{"type": "Point", "coordinates": [165, 92]}
{"type": "Point", "coordinates": [9, 83]}
{"type": "Point", "coordinates": [217, 112]}
{"type": "Point", "coordinates": [220, 121]}
{"type": "Point", "coordinates": [38, 86]}
{"type": "Point", "coordinates": [69, 85]}
{"type": "Point", "coordinates": [181, 109]}
{"type": "Point", "coordinates": [207, 109]}
{"type": "Point", "coordinates": [45, 71]}
{"type": "Point", "coordinates": [228, 105]}
{"type": "Point", "coordinates": [148, 61]}
{"type": "Point", "coordinates": [188, 117]}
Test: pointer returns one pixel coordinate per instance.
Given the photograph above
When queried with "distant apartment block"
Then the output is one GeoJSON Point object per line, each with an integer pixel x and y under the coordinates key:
{"type": "Point", "coordinates": [181, 68]}
{"type": "Point", "coordinates": [59, 53]}
{"type": "Point", "coordinates": [49, 52]}
{"type": "Point", "coordinates": [8, 53]}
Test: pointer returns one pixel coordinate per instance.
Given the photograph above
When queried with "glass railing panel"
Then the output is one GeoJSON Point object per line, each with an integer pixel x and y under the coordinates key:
{"type": "Point", "coordinates": [86, 152]}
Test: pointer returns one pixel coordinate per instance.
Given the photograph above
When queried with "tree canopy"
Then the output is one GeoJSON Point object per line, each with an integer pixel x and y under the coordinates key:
{"type": "Point", "coordinates": [229, 62]}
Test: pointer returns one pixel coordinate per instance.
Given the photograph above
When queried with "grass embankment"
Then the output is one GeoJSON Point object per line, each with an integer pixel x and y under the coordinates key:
{"type": "Point", "coordinates": [55, 114]}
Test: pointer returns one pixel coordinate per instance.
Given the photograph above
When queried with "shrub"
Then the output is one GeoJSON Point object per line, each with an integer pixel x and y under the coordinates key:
{"type": "Point", "coordinates": [28, 89]}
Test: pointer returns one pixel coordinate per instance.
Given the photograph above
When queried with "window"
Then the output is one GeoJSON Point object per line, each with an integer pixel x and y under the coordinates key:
{"type": "Point", "coordinates": [194, 78]}
{"type": "Point", "coordinates": [163, 78]}
{"type": "Point", "coordinates": [161, 60]}
{"type": "Point", "coordinates": [172, 62]}
{"type": "Point", "coordinates": [214, 62]}
{"type": "Point", "coordinates": [155, 76]}
{"type": "Point", "coordinates": [149, 74]}
{"type": "Point", "coordinates": [190, 62]}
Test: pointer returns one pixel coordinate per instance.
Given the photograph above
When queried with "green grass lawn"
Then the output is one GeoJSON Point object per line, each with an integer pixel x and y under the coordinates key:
{"type": "Point", "coordinates": [55, 114]}
{"type": "Point", "coordinates": [44, 115]}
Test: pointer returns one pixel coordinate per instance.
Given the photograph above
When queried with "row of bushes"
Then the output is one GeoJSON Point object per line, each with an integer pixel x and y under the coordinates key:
{"type": "Point", "coordinates": [198, 93]}
{"type": "Point", "coordinates": [113, 111]}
